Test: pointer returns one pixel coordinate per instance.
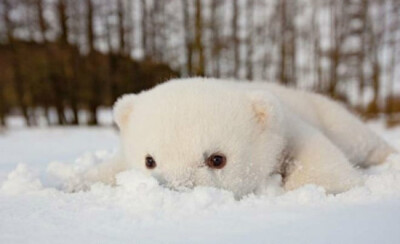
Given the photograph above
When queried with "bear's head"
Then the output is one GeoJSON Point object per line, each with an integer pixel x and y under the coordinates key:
{"type": "Point", "coordinates": [201, 132]}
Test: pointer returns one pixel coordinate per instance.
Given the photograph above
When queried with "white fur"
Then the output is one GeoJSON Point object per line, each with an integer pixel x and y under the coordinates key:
{"type": "Point", "coordinates": [181, 122]}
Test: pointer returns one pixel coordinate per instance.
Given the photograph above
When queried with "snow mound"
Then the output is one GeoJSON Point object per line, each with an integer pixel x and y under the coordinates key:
{"type": "Point", "coordinates": [139, 192]}
{"type": "Point", "coordinates": [21, 180]}
{"type": "Point", "coordinates": [78, 176]}
{"type": "Point", "coordinates": [137, 208]}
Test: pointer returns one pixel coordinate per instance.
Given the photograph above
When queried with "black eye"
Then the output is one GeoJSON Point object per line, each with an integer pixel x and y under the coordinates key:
{"type": "Point", "coordinates": [150, 162]}
{"type": "Point", "coordinates": [216, 161]}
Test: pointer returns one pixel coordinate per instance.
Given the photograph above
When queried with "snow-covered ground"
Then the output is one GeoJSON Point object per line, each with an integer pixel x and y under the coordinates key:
{"type": "Point", "coordinates": [38, 166]}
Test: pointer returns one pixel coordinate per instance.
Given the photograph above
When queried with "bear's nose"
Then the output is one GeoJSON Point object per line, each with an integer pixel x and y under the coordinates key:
{"type": "Point", "coordinates": [175, 182]}
{"type": "Point", "coordinates": [179, 185]}
{"type": "Point", "coordinates": [176, 178]}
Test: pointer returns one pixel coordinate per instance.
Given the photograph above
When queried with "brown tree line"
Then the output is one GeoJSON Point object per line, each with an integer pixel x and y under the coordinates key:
{"type": "Point", "coordinates": [54, 64]}
{"type": "Point", "coordinates": [61, 57]}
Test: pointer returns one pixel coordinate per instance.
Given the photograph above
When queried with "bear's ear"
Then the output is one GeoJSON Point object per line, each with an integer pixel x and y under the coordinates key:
{"type": "Point", "coordinates": [264, 106]}
{"type": "Point", "coordinates": [123, 108]}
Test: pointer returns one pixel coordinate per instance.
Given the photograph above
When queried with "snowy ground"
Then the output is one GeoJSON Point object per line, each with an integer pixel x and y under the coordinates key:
{"type": "Point", "coordinates": [38, 165]}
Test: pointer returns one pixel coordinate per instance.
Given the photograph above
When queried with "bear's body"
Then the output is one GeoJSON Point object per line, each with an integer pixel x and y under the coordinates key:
{"type": "Point", "coordinates": [257, 129]}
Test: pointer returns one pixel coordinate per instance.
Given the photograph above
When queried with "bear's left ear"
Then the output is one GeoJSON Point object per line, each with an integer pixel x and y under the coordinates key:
{"type": "Point", "coordinates": [265, 107]}
{"type": "Point", "coordinates": [123, 108]}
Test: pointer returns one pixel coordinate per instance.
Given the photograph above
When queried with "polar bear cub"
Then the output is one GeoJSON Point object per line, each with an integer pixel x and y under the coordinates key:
{"type": "Point", "coordinates": [235, 135]}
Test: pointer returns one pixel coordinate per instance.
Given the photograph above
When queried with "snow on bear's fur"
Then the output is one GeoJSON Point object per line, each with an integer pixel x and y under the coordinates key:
{"type": "Point", "coordinates": [259, 129]}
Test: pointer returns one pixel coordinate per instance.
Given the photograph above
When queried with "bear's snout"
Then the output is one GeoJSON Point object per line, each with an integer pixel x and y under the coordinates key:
{"type": "Point", "coordinates": [182, 179]}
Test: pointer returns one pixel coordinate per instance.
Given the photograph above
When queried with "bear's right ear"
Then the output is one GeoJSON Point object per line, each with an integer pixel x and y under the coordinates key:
{"type": "Point", "coordinates": [123, 108]}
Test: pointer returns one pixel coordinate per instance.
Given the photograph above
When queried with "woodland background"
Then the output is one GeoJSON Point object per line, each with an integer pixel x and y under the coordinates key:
{"type": "Point", "coordinates": [60, 59]}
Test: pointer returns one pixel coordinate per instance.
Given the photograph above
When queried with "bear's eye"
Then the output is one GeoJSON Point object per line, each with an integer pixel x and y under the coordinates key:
{"type": "Point", "coordinates": [216, 161]}
{"type": "Point", "coordinates": [150, 162]}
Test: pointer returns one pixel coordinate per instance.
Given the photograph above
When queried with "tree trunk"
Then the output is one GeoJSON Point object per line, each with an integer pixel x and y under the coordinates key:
{"type": "Point", "coordinates": [20, 92]}
{"type": "Point", "coordinates": [153, 30]}
{"type": "Point", "coordinates": [19, 86]}
{"type": "Point", "coordinates": [59, 98]}
{"type": "Point", "coordinates": [90, 25]}
{"type": "Point", "coordinates": [216, 42]}
{"type": "Point", "coordinates": [249, 43]}
{"type": "Point", "coordinates": [18, 81]}
{"type": "Point", "coordinates": [93, 114]}
{"type": "Point", "coordinates": [374, 107]}
{"type": "Point", "coordinates": [129, 28]}
{"type": "Point", "coordinates": [318, 81]}
{"type": "Point", "coordinates": [144, 28]}
{"type": "Point", "coordinates": [46, 108]}
{"type": "Point", "coordinates": [335, 51]}
{"type": "Point", "coordinates": [62, 19]}
{"type": "Point", "coordinates": [95, 89]}
{"type": "Point", "coordinates": [121, 29]}
{"type": "Point", "coordinates": [2, 106]}
{"type": "Point", "coordinates": [74, 88]}
{"type": "Point", "coordinates": [200, 67]}
{"type": "Point", "coordinates": [187, 37]}
{"type": "Point", "coordinates": [235, 38]}
{"type": "Point", "coordinates": [282, 45]}
{"type": "Point", "coordinates": [41, 20]}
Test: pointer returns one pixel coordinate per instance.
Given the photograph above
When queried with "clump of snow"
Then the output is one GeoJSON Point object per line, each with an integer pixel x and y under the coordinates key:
{"type": "Point", "coordinates": [385, 179]}
{"type": "Point", "coordinates": [75, 177]}
{"type": "Point", "coordinates": [20, 181]}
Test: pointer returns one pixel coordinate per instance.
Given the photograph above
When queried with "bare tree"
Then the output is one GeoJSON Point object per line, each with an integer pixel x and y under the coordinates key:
{"type": "Point", "coordinates": [143, 27]}
{"type": "Point", "coordinates": [318, 86]}
{"type": "Point", "coordinates": [334, 52]}
{"type": "Point", "coordinates": [235, 38]}
{"type": "Point", "coordinates": [157, 29]}
{"type": "Point", "coordinates": [2, 86]}
{"type": "Point", "coordinates": [19, 84]}
{"type": "Point", "coordinates": [95, 91]}
{"type": "Point", "coordinates": [42, 22]}
{"type": "Point", "coordinates": [43, 26]}
{"type": "Point", "coordinates": [287, 42]}
{"type": "Point", "coordinates": [188, 39]}
{"type": "Point", "coordinates": [249, 42]}
{"type": "Point", "coordinates": [394, 42]}
{"type": "Point", "coordinates": [198, 40]}
{"type": "Point", "coordinates": [90, 25]}
{"type": "Point", "coordinates": [129, 27]}
{"type": "Point", "coordinates": [2, 106]}
{"type": "Point", "coordinates": [121, 28]}
{"type": "Point", "coordinates": [215, 38]}
{"type": "Point", "coordinates": [283, 50]}
{"type": "Point", "coordinates": [376, 35]}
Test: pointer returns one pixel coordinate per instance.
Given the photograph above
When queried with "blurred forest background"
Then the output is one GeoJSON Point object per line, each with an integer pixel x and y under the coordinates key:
{"type": "Point", "coordinates": [61, 57]}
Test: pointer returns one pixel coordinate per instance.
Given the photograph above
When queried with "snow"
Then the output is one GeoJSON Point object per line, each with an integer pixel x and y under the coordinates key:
{"type": "Point", "coordinates": [46, 197]}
